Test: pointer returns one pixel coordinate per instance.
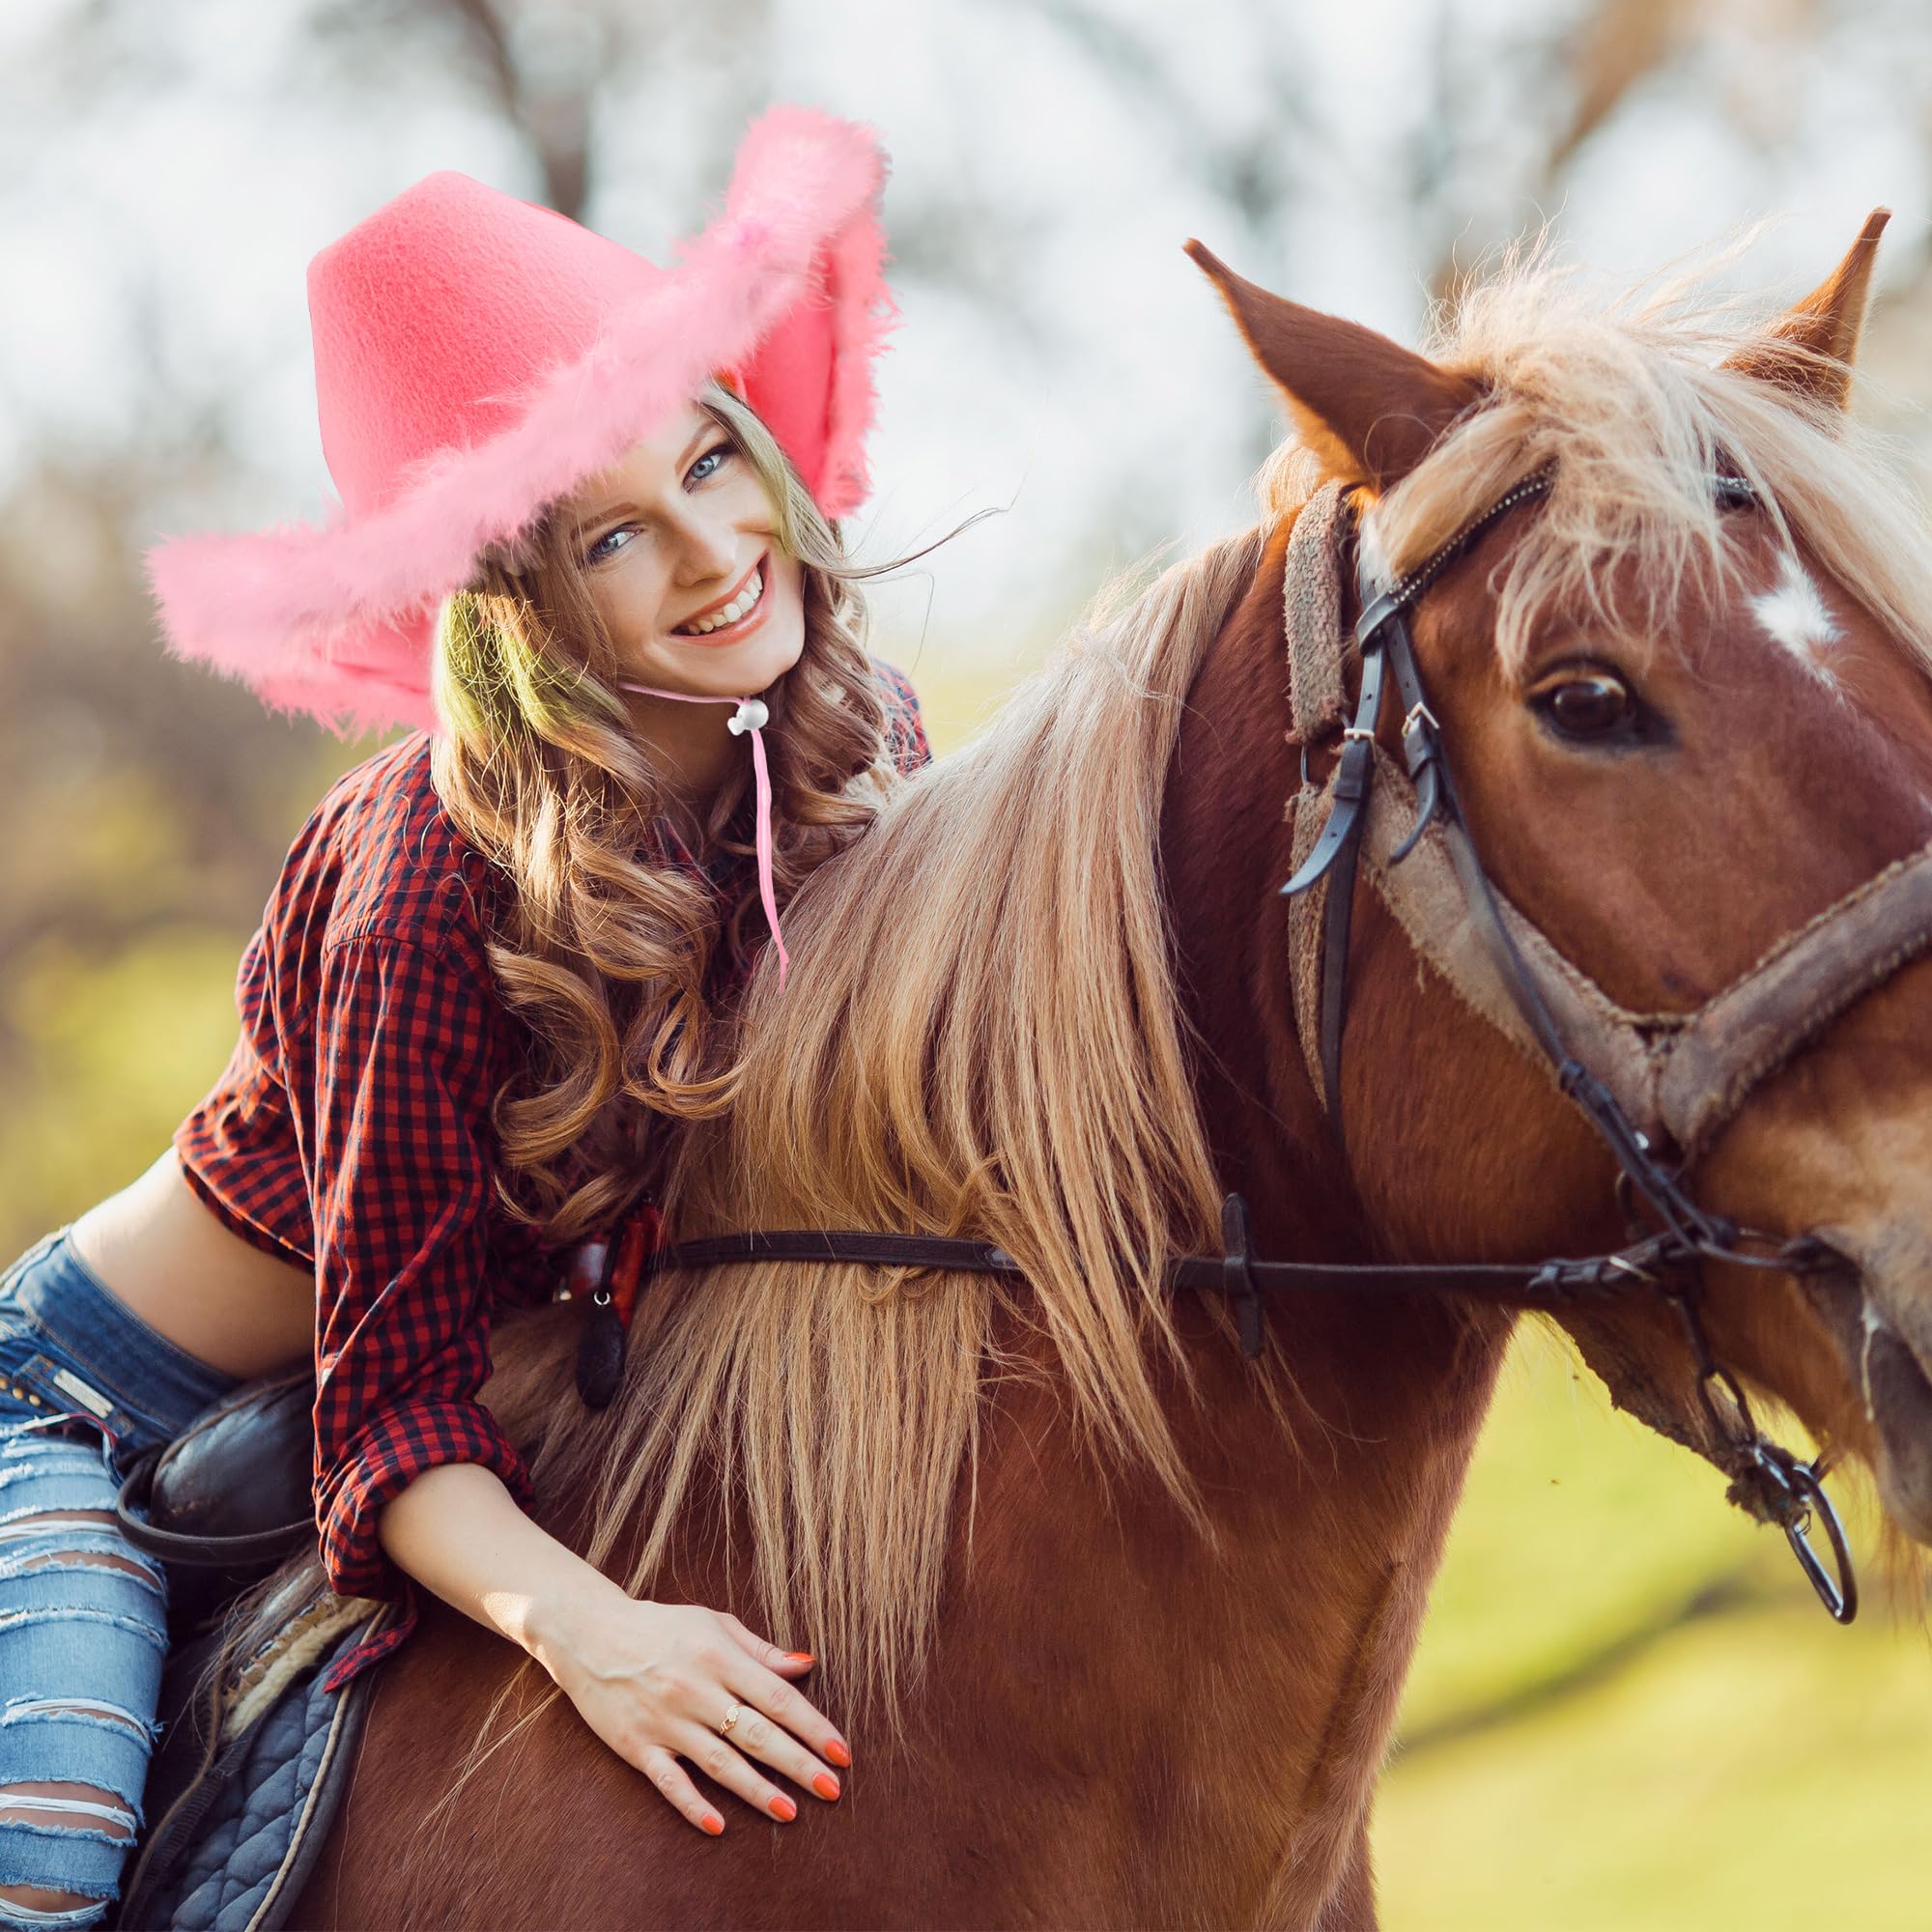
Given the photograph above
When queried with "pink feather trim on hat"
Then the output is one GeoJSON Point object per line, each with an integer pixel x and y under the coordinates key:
{"type": "Point", "coordinates": [786, 289]}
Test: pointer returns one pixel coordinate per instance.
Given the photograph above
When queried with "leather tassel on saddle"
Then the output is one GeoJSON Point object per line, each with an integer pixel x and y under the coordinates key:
{"type": "Point", "coordinates": [614, 1287]}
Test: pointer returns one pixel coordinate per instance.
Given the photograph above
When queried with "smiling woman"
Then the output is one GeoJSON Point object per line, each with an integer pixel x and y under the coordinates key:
{"type": "Point", "coordinates": [587, 510]}
{"type": "Point", "coordinates": [699, 566]}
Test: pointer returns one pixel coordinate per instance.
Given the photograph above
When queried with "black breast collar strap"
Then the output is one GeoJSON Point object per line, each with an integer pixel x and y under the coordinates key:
{"type": "Point", "coordinates": [1548, 1285]}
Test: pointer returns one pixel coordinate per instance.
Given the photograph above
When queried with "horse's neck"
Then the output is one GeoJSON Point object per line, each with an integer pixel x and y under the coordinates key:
{"type": "Point", "coordinates": [1286, 1659]}
{"type": "Point", "coordinates": [1175, 1719]}
{"type": "Point", "coordinates": [1121, 1719]}
{"type": "Point", "coordinates": [1225, 850]}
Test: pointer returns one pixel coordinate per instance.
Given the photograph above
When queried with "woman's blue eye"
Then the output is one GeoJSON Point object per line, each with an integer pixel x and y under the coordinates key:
{"type": "Point", "coordinates": [702, 470]}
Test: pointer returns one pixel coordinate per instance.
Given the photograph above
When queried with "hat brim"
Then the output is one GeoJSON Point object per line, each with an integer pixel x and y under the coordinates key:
{"type": "Point", "coordinates": [336, 621]}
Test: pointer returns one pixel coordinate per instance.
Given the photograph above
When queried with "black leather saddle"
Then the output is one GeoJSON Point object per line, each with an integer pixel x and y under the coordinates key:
{"type": "Point", "coordinates": [229, 1500]}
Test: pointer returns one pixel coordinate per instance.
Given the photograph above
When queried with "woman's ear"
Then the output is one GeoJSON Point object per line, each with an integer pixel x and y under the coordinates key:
{"type": "Point", "coordinates": [1368, 408]}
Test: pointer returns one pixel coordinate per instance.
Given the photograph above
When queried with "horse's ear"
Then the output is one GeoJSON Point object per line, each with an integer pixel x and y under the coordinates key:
{"type": "Point", "coordinates": [1370, 408]}
{"type": "Point", "coordinates": [1825, 324]}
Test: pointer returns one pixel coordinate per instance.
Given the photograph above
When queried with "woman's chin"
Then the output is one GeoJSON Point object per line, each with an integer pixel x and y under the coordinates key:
{"type": "Point", "coordinates": [730, 670]}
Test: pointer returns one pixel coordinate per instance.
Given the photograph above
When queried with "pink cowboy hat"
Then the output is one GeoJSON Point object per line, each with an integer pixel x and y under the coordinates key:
{"type": "Point", "coordinates": [476, 357]}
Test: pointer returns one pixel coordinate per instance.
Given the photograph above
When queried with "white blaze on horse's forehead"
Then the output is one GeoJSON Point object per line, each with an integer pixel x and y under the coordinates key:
{"type": "Point", "coordinates": [1794, 614]}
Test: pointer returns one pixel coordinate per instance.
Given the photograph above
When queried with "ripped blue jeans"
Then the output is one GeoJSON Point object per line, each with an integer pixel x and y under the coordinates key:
{"type": "Point", "coordinates": [85, 1384]}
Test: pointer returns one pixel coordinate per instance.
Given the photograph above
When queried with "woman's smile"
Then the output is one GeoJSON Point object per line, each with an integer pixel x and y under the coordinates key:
{"type": "Point", "coordinates": [727, 618]}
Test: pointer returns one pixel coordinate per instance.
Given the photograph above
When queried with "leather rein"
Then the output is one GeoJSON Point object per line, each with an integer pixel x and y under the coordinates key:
{"type": "Point", "coordinates": [1671, 1079]}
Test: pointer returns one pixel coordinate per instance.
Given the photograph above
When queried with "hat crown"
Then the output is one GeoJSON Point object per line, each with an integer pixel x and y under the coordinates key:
{"type": "Point", "coordinates": [432, 317]}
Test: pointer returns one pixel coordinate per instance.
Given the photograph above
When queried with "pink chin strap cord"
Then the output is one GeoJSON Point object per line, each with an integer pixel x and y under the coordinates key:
{"type": "Point", "coordinates": [753, 716]}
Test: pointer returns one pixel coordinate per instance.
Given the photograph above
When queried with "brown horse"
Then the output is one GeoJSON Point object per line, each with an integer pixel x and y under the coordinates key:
{"type": "Point", "coordinates": [1116, 1619]}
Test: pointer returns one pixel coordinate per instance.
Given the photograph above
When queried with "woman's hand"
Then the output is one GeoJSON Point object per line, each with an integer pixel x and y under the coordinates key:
{"type": "Point", "coordinates": [655, 1681]}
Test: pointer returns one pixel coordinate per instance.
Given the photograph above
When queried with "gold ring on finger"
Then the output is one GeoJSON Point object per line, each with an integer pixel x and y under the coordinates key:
{"type": "Point", "coordinates": [730, 1719]}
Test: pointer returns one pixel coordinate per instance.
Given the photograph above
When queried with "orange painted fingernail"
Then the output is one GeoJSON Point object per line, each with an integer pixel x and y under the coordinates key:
{"type": "Point", "coordinates": [712, 1823]}
{"type": "Point", "coordinates": [825, 1784]}
{"type": "Point", "coordinates": [784, 1808]}
{"type": "Point", "coordinates": [800, 1656]}
{"type": "Point", "coordinates": [837, 1754]}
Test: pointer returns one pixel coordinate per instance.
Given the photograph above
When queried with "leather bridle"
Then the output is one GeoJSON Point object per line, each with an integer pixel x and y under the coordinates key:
{"type": "Point", "coordinates": [1655, 1088]}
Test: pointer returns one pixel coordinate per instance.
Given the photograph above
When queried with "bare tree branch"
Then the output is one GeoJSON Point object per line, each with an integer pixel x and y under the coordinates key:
{"type": "Point", "coordinates": [554, 118]}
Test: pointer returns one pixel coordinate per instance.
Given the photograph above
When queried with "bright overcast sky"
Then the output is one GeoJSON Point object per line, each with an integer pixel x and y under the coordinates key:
{"type": "Point", "coordinates": [157, 239]}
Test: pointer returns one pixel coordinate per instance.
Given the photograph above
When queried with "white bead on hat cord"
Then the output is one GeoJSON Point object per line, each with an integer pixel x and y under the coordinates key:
{"type": "Point", "coordinates": [753, 715]}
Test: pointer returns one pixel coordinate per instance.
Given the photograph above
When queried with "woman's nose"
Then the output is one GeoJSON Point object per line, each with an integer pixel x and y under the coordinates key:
{"type": "Point", "coordinates": [707, 547]}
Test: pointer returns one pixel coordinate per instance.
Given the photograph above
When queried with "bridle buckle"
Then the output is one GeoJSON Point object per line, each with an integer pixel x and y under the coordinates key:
{"type": "Point", "coordinates": [1237, 1274]}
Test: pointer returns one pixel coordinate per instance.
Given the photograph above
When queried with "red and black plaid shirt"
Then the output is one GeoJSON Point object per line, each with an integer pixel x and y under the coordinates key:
{"type": "Point", "coordinates": [351, 1133]}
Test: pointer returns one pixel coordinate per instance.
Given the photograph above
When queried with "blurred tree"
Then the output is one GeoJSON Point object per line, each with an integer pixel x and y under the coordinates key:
{"type": "Point", "coordinates": [551, 67]}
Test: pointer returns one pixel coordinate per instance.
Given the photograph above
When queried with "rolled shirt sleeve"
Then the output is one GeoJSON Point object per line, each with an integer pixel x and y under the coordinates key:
{"type": "Point", "coordinates": [400, 1153]}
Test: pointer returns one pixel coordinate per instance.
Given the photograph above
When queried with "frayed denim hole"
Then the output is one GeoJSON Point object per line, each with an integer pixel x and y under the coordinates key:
{"type": "Point", "coordinates": [128, 1725]}
{"type": "Point", "coordinates": [129, 1809]}
{"type": "Point", "coordinates": [107, 1805]}
{"type": "Point", "coordinates": [85, 1484]}
{"type": "Point", "coordinates": [88, 1834]}
{"type": "Point", "coordinates": [83, 1519]}
{"type": "Point", "coordinates": [75, 1916]}
{"type": "Point", "coordinates": [74, 1553]}
{"type": "Point", "coordinates": [18, 1709]}
{"type": "Point", "coordinates": [115, 1811]}
{"type": "Point", "coordinates": [110, 1806]}
{"type": "Point", "coordinates": [132, 1564]}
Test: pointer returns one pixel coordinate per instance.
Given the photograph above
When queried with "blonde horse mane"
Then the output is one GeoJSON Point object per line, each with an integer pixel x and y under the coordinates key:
{"type": "Point", "coordinates": [998, 940]}
{"type": "Point", "coordinates": [997, 947]}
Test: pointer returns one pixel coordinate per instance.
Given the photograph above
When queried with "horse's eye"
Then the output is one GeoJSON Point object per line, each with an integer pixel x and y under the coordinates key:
{"type": "Point", "coordinates": [1587, 704]}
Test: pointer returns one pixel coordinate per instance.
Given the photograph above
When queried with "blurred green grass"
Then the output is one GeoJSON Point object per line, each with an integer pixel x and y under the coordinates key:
{"type": "Point", "coordinates": [1628, 1709]}
{"type": "Point", "coordinates": [111, 1053]}
{"type": "Point", "coordinates": [117, 1010]}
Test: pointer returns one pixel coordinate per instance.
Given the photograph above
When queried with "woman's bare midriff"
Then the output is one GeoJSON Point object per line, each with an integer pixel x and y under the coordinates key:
{"type": "Point", "coordinates": [185, 1275]}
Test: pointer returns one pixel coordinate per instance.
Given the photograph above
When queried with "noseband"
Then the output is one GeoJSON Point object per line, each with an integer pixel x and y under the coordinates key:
{"type": "Point", "coordinates": [1655, 1086]}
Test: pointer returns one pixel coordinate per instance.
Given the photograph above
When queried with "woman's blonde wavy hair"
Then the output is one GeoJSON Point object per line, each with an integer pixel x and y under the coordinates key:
{"type": "Point", "coordinates": [610, 954]}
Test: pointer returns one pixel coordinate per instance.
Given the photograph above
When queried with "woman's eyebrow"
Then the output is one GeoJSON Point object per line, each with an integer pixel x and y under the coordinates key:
{"type": "Point", "coordinates": [616, 506]}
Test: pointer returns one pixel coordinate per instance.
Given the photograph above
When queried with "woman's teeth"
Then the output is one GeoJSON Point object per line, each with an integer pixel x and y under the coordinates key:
{"type": "Point", "coordinates": [738, 607]}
